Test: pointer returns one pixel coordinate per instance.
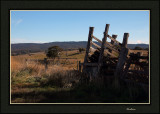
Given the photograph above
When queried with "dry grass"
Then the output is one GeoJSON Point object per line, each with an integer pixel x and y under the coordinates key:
{"type": "Point", "coordinates": [60, 83]}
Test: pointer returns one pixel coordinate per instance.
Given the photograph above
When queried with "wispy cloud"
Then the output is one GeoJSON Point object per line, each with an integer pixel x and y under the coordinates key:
{"type": "Point", "coordinates": [19, 21]}
{"type": "Point", "coordinates": [16, 22]}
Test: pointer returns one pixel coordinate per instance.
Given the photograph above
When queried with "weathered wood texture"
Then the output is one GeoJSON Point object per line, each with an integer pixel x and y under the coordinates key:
{"type": "Point", "coordinates": [112, 42]}
{"type": "Point", "coordinates": [102, 47]}
{"type": "Point", "coordinates": [122, 56]}
{"type": "Point", "coordinates": [91, 29]}
{"type": "Point", "coordinates": [107, 44]}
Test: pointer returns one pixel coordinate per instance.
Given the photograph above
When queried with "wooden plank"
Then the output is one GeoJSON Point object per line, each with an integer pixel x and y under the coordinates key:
{"type": "Point", "coordinates": [95, 44]}
{"type": "Point", "coordinates": [97, 39]}
{"type": "Point", "coordinates": [100, 61]}
{"type": "Point", "coordinates": [111, 48]}
{"type": "Point", "coordinates": [106, 51]}
{"type": "Point", "coordinates": [92, 49]}
{"type": "Point", "coordinates": [107, 44]}
{"type": "Point", "coordinates": [89, 54]}
{"type": "Point", "coordinates": [91, 29]}
{"type": "Point", "coordinates": [114, 40]}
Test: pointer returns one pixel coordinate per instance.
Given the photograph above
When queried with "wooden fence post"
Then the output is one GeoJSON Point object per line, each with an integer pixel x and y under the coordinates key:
{"type": "Point", "coordinates": [112, 42]}
{"type": "Point", "coordinates": [91, 29]}
{"type": "Point", "coordinates": [77, 65]}
{"type": "Point", "coordinates": [80, 66]}
{"type": "Point", "coordinates": [45, 62]}
{"type": "Point", "coordinates": [100, 61]}
{"type": "Point", "coordinates": [26, 60]}
{"type": "Point", "coordinates": [122, 56]}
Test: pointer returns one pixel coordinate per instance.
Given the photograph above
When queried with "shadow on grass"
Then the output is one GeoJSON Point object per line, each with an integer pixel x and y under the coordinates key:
{"type": "Point", "coordinates": [83, 93]}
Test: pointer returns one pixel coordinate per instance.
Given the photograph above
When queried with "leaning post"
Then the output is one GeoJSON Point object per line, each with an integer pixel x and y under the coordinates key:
{"type": "Point", "coordinates": [122, 56]}
{"type": "Point", "coordinates": [91, 29]}
{"type": "Point", "coordinates": [100, 60]}
{"type": "Point", "coordinates": [112, 42]}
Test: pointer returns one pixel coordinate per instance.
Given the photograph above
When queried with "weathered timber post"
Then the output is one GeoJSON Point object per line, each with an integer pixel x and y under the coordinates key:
{"type": "Point", "coordinates": [80, 66]}
{"type": "Point", "coordinates": [26, 60]}
{"type": "Point", "coordinates": [91, 29]}
{"type": "Point", "coordinates": [122, 56]}
{"type": "Point", "coordinates": [112, 42]}
{"type": "Point", "coordinates": [100, 60]}
{"type": "Point", "coordinates": [77, 65]}
{"type": "Point", "coordinates": [45, 62]}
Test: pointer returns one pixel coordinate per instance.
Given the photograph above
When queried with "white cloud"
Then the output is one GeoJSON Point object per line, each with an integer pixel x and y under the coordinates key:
{"type": "Point", "coordinates": [138, 42]}
{"type": "Point", "coordinates": [22, 40]}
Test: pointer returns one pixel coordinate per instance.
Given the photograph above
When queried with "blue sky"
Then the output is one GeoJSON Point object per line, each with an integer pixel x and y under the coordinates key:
{"type": "Point", "coordinates": [50, 26]}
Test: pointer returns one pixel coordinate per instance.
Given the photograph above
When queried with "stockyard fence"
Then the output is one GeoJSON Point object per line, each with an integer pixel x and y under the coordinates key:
{"type": "Point", "coordinates": [119, 62]}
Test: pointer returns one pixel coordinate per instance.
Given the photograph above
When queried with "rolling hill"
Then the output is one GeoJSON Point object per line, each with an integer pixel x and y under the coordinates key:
{"type": "Point", "coordinates": [37, 47]}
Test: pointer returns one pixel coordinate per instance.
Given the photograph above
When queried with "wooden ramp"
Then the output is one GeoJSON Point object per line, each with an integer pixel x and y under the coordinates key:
{"type": "Point", "coordinates": [113, 49]}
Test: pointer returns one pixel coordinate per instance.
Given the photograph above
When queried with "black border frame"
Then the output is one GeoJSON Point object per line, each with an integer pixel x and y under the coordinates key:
{"type": "Point", "coordinates": [6, 6]}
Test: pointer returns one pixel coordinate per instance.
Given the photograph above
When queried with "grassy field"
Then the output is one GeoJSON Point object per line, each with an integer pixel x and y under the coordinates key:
{"type": "Point", "coordinates": [64, 84]}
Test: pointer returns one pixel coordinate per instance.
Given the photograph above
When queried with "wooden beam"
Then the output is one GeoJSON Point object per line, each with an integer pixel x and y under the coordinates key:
{"type": "Point", "coordinates": [125, 40]}
{"type": "Point", "coordinates": [122, 56]}
{"type": "Point", "coordinates": [106, 51]}
{"type": "Point", "coordinates": [100, 61]}
{"type": "Point", "coordinates": [114, 40]}
{"type": "Point", "coordinates": [107, 44]}
{"type": "Point", "coordinates": [92, 49]}
{"type": "Point", "coordinates": [95, 44]}
{"type": "Point", "coordinates": [97, 39]}
{"type": "Point", "coordinates": [91, 29]}
{"type": "Point", "coordinates": [111, 48]}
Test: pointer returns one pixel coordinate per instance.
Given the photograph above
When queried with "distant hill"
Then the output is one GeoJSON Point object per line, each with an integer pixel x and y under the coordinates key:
{"type": "Point", "coordinates": [37, 47]}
